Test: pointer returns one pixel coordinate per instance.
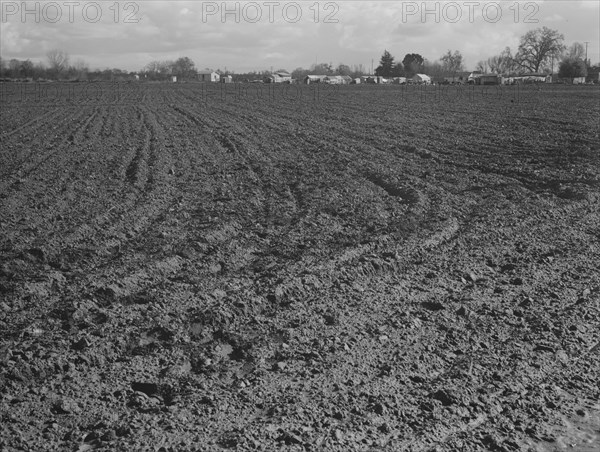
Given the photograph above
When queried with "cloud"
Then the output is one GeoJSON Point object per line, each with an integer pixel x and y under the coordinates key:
{"type": "Point", "coordinates": [554, 18]}
{"type": "Point", "coordinates": [247, 36]}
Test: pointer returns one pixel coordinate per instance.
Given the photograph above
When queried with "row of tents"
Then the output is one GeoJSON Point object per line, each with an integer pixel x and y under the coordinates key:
{"type": "Point", "coordinates": [285, 77]}
{"type": "Point", "coordinates": [470, 78]}
{"type": "Point", "coordinates": [374, 79]}
{"type": "Point", "coordinates": [473, 78]}
{"type": "Point", "coordinates": [479, 78]}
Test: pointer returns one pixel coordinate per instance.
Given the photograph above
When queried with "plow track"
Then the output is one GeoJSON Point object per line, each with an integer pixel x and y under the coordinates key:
{"type": "Point", "coordinates": [357, 269]}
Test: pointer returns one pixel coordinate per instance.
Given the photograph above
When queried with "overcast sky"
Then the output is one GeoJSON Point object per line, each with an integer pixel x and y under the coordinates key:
{"type": "Point", "coordinates": [283, 34]}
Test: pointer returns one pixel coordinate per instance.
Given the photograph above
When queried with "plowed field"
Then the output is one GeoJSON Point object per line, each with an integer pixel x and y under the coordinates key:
{"type": "Point", "coordinates": [361, 268]}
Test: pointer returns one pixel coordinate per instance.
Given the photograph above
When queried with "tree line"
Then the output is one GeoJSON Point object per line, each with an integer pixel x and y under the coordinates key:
{"type": "Point", "coordinates": [538, 51]}
{"type": "Point", "coordinates": [58, 67]}
{"type": "Point", "coordinates": [414, 63]}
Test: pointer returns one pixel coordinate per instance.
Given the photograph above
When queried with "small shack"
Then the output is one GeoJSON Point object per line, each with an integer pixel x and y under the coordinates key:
{"type": "Point", "coordinates": [487, 79]}
{"type": "Point", "coordinates": [208, 76]}
{"type": "Point", "coordinates": [278, 77]}
{"type": "Point", "coordinates": [226, 79]}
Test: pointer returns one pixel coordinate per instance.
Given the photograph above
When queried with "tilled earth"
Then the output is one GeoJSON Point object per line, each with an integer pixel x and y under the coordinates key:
{"type": "Point", "coordinates": [354, 269]}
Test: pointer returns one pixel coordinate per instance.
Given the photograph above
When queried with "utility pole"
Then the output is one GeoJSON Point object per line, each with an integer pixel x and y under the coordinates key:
{"type": "Point", "coordinates": [586, 44]}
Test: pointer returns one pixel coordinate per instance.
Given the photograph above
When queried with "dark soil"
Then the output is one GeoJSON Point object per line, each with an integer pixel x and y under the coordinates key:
{"type": "Point", "coordinates": [367, 268]}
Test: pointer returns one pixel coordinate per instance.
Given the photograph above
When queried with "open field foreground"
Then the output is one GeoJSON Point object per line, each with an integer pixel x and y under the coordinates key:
{"type": "Point", "coordinates": [352, 270]}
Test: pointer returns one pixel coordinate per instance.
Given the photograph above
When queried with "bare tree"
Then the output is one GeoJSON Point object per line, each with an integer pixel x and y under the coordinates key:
{"type": "Point", "coordinates": [80, 69]}
{"type": "Point", "coordinates": [452, 62]}
{"type": "Point", "coordinates": [503, 63]}
{"type": "Point", "coordinates": [58, 61]}
{"type": "Point", "coordinates": [358, 70]}
{"type": "Point", "coordinates": [153, 66]}
{"type": "Point", "coordinates": [435, 70]}
{"type": "Point", "coordinates": [494, 64]}
{"type": "Point", "coordinates": [159, 70]}
{"type": "Point", "coordinates": [576, 51]}
{"type": "Point", "coordinates": [537, 47]}
{"type": "Point", "coordinates": [482, 66]}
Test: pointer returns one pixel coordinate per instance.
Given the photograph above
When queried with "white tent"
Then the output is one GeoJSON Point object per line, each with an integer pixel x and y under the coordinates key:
{"type": "Point", "coordinates": [422, 78]}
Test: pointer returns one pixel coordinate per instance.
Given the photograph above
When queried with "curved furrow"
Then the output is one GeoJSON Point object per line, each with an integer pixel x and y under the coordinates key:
{"type": "Point", "coordinates": [285, 182]}
{"type": "Point", "coordinates": [382, 234]}
{"type": "Point", "coordinates": [381, 255]}
{"type": "Point", "coordinates": [137, 235]}
{"type": "Point", "coordinates": [143, 201]}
